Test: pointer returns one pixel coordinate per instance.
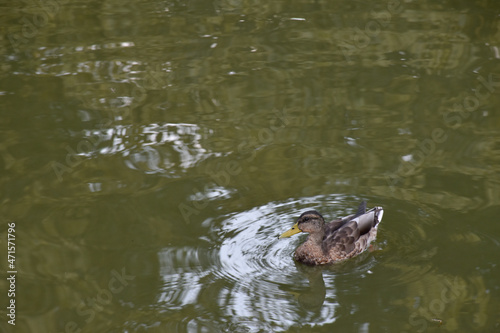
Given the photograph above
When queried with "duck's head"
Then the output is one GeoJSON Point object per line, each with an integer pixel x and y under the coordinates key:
{"type": "Point", "coordinates": [310, 221]}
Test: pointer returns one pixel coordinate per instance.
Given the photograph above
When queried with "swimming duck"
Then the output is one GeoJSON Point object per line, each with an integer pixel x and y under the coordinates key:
{"type": "Point", "coordinates": [338, 240]}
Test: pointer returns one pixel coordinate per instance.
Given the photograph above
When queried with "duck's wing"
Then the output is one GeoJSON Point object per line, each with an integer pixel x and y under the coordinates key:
{"type": "Point", "coordinates": [343, 234]}
{"type": "Point", "coordinates": [343, 239]}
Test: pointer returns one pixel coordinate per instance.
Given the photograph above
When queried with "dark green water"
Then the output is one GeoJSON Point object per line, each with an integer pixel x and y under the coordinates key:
{"type": "Point", "coordinates": [152, 151]}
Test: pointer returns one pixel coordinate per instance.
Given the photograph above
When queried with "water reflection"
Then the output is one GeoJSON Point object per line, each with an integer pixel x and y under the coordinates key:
{"type": "Point", "coordinates": [313, 296]}
{"type": "Point", "coordinates": [438, 299]}
{"type": "Point", "coordinates": [167, 148]}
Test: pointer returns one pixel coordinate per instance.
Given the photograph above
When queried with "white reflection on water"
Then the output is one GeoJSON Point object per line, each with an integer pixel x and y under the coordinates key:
{"type": "Point", "coordinates": [167, 148]}
{"type": "Point", "coordinates": [182, 270]}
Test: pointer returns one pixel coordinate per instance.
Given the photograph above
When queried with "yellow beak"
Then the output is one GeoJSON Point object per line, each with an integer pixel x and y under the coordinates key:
{"type": "Point", "coordinates": [295, 230]}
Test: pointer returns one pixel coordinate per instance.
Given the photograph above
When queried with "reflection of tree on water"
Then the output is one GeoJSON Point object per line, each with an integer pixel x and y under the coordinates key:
{"type": "Point", "coordinates": [453, 302]}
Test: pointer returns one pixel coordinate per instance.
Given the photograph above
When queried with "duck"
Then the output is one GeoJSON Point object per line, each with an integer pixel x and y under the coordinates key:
{"type": "Point", "coordinates": [338, 240]}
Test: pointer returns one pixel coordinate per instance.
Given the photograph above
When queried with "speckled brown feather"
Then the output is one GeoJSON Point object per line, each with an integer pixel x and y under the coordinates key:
{"type": "Point", "coordinates": [340, 239]}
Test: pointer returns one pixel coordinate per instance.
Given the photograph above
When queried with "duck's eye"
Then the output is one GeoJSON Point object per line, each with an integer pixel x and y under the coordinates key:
{"type": "Point", "coordinates": [306, 218]}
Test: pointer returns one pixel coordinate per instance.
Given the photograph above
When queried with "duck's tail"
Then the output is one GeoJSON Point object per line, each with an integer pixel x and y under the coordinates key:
{"type": "Point", "coordinates": [361, 209]}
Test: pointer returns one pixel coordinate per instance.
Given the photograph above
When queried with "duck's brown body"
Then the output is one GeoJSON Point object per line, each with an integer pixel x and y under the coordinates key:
{"type": "Point", "coordinates": [338, 240]}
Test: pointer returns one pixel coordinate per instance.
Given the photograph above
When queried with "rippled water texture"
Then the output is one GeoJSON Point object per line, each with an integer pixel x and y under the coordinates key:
{"type": "Point", "coordinates": [151, 152]}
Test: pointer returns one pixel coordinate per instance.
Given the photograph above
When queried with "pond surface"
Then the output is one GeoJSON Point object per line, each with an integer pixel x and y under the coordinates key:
{"type": "Point", "coordinates": [152, 151]}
